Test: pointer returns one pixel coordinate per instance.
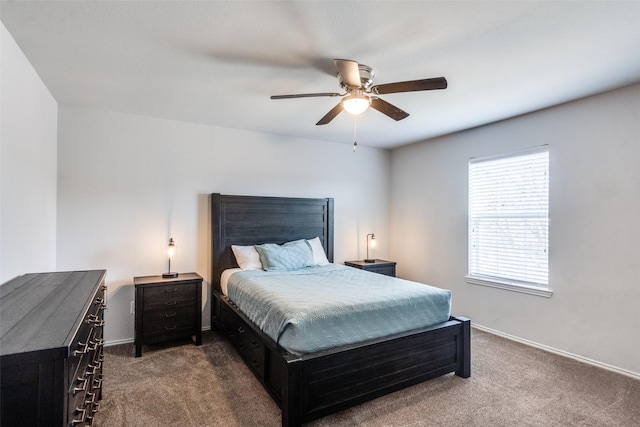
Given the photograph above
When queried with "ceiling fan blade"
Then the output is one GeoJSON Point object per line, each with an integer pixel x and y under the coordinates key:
{"type": "Point", "coordinates": [390, 110]}
{"type": "Point", "coordinates": [305, 95]}
{"type": "Point", "coordinates": [330, 115]}
{"type": "Point", "coordinates": [349, 71]}
{"type": "Point", "coordinates": [410, 86]}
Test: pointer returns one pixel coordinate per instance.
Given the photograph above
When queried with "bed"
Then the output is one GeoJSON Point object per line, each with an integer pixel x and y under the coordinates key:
{"type": "Point", "coordinates": [308, 386]}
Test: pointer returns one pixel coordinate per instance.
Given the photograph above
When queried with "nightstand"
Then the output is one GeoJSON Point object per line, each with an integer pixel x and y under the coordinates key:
{"type": "Point", "coordinates": [167, 309]}
{"type": "Point", "coordinates": [380, 266]}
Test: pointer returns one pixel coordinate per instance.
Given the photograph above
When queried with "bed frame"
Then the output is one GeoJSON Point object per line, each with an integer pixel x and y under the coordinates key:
{"type": "Point", "coordinates": [314, 385]}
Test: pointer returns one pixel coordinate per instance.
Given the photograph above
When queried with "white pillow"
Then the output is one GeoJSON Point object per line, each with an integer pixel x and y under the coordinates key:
{"type": "Point", "coordinates": [247, 257]}
{"type": "Point", "coordinates": [319, 257]}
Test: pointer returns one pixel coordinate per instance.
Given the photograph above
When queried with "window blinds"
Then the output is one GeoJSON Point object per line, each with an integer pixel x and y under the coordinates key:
{"type": "Point", "coordinates": [509, 218]}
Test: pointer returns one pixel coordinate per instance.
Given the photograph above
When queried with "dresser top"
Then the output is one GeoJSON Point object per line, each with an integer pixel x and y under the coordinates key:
{"type": "Point", "coordinates": [41, 311]}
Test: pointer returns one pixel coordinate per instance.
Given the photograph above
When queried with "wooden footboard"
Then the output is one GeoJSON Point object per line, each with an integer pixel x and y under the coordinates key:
{"type": "Point", "coordinates": [314, 385]}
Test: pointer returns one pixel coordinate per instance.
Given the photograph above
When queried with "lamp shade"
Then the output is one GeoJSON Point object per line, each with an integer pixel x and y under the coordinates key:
{"type": "Point", "coordinates": [171, 252]}
{"type": "Point", "coordinates": [355, 104]}
{"type": "Point", "coordinates": [371, 243]}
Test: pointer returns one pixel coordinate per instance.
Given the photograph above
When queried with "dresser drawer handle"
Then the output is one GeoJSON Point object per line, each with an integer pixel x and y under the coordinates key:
{"type": "Point", "coordinates": [255, 343]}
{"type": "Point", "coordinates": [241, 329]}
{"type": "Point", "coordinates": [90, 398]}
{"type": "Point", "coordinates": [166, 291]}
{"type": "Point", "coordinates": [171, 302]}
{"type": "Point", "coordinates": [83, 385]}
{"type": "Point", "coordinates": [85, 350]}
{"type": "Point", "coordinates": [254, 363]}
{"type": "Point", "coordinates": [98, 323]}
{"type": "Point", "coordinates": [83, 416]}
{"type": "Point", "coordinates": [170, 328]}
{"type": "Point", "coordinates": [93, 368]}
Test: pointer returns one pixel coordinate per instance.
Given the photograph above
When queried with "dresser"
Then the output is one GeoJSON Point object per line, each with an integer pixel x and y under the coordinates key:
{"type": "Point", "coordinates": [167, 309]}
{"type": "Point", "coordinates": [380, 266]}
{"type": "Point", "coordinates": [51, 342]}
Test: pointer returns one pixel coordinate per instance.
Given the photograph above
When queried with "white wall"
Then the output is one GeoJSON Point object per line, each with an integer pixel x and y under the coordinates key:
{"type": "Point", "coordinates": [594, 147]}
{"type": "Point", "coordinates": [28, 127]}
{"type": "Point", "coordinates": [127, 183]}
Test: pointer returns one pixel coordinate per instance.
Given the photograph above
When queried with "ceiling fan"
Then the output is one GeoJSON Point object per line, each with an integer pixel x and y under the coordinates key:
{"type": "Point", "coordinates": [357, 79]}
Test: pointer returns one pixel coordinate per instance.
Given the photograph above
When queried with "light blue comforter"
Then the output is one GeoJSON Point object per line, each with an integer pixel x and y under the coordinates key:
{"type": "Point", "coordinates": [321, 307]}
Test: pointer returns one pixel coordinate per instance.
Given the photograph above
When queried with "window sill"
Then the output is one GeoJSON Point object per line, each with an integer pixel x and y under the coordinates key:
{"type": "Point", "coordinates": [510, 286]}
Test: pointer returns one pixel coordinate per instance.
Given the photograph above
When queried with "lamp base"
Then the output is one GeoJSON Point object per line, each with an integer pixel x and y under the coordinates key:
{"type": "Point", "coordinates": [169, 275]}
{"type": "Point", "coordinates": [369, 260]}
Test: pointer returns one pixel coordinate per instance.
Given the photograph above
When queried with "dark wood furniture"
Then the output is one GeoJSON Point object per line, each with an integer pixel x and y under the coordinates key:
{"type": "Point", "coordinates": [51, 341]}
{"type": "Point", "coordinates": [167, 309]}
{"type": "Point", "coordinates": [380, 266]}
{"type": "Point", "coordinates": [314, 385]}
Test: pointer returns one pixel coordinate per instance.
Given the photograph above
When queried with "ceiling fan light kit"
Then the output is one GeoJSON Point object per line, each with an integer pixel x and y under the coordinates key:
{"type": "Point", "coordinates": [356, 104]}
{"type": "Point", "coordinates": [357, 79]}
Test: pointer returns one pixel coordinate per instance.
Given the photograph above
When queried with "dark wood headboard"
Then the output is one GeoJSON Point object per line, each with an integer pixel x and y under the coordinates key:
{"type": "Point", "coordinates": [249, 220]}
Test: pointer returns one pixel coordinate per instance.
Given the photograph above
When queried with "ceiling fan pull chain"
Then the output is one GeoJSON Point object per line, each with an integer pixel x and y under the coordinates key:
{"type": "Point", "coordinates": [355, 143]}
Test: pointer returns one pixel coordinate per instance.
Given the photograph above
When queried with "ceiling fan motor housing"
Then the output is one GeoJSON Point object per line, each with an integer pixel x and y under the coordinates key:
{"type": "Point", "coordinates": [366, 77]}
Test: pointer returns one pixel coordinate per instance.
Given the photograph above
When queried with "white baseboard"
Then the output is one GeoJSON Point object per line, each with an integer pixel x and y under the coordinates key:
{"type": "Point", "coordinates": [582, 359]}
{"type": "Point", "coordinates": [130, 340]}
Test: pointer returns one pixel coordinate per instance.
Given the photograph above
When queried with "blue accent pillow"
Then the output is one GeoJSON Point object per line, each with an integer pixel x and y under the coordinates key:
{"type": "Point", "coordinates": [290, 256]}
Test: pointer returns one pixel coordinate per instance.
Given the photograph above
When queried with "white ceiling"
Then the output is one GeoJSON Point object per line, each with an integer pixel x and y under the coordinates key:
{"type": "Point", "coordinates": [217, 63]}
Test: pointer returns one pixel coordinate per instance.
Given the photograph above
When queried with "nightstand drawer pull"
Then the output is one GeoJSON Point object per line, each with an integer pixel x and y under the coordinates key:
{"type": "Point", "coordinates": [171, 302]}
{"type": "Point", "coordinates": [170, 328]}
{"type": "Point", "coordinates": [241, 329]}
{"type": "Point", "coordinates": [167, 315]}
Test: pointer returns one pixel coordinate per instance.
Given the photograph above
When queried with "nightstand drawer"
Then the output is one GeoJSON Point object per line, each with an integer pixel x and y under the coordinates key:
{"type": "Point", "coordinates": [389, 270]}
{"type": "Point", "coordinates": [170, 314]}
{"type": "Point", "coordinates": [380, 266]}
{"type": "Point", "coordinates": [167, 304]}
{"type": "Point", "coordinates": [167, 326]}
{"type": "Point", "coordinates": [183, 291]}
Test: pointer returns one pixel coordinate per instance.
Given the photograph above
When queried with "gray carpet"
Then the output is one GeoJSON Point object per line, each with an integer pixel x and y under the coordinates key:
{"type": "Point", "coordinates": [511, 385]}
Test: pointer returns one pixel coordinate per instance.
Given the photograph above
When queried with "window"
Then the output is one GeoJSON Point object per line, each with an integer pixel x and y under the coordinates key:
{"type": "Point", "coordinates": [509, 221]}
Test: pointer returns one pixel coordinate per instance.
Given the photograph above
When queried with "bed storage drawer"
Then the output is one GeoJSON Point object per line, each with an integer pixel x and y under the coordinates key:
{"type": "Point", "coordinates": [245, 339]}
{"type": "Point", "coordinates": [250, 348]}
{"type": "Point", "coordinates": [228, 323]}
